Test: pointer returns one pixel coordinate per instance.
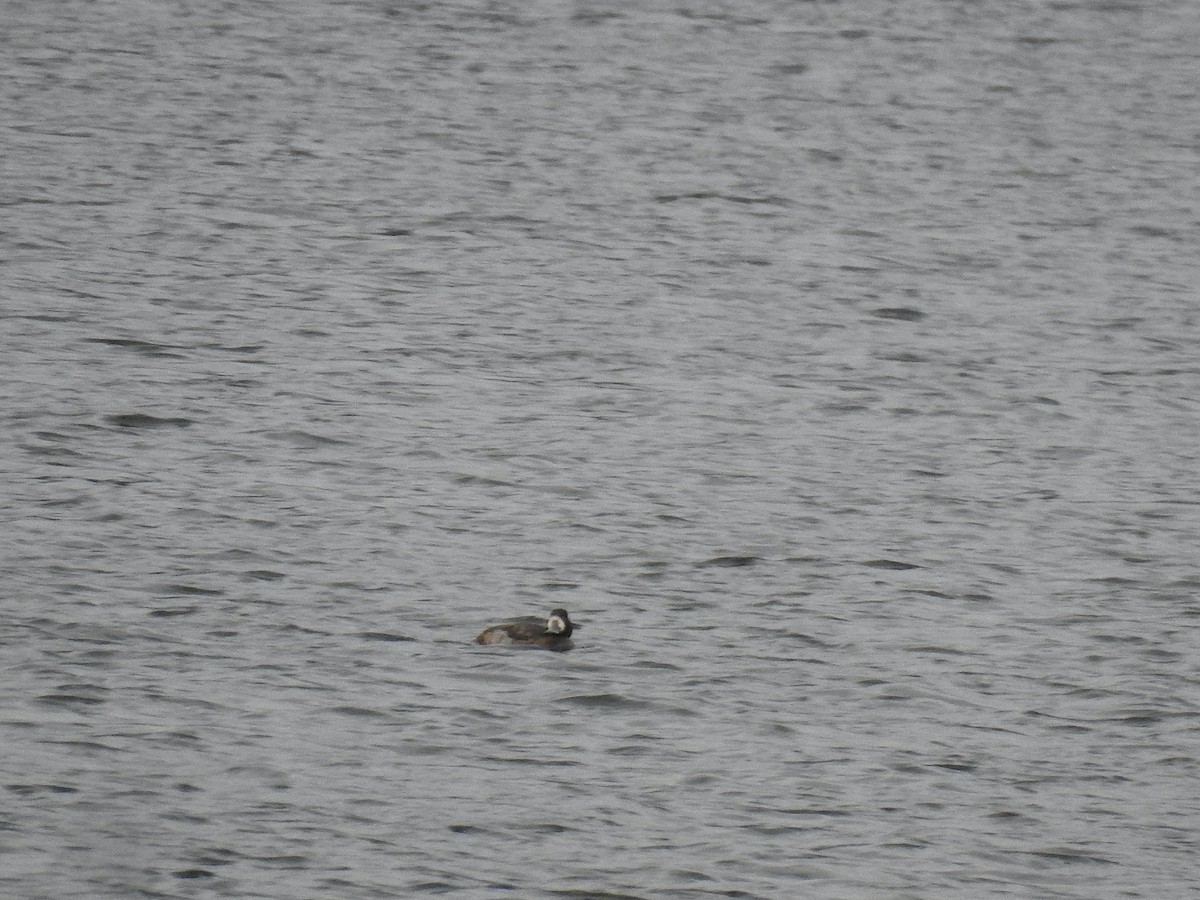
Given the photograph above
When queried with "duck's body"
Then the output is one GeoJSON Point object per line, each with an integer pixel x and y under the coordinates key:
{"type": "Point", "coordinates": [549, 634]}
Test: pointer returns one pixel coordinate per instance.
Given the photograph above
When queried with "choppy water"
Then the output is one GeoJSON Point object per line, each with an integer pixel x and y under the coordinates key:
{"type": "Point", "coordinates": [834, 363]}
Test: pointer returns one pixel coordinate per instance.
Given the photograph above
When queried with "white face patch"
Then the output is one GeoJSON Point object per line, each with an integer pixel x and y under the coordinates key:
{"type": "Point", "coordinates": [555, 625]}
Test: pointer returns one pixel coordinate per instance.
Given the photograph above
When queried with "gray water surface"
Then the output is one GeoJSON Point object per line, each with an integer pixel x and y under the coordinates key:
{"type": "Point", "coordinates": [833, 363]}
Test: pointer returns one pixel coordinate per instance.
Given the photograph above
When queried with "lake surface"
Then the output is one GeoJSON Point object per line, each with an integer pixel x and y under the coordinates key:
{"type": "Point", "coordinates": [833, 363]}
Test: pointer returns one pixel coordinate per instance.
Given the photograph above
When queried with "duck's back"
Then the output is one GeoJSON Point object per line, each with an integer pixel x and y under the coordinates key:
{"type": "Point", "coordinates": [523, 631]}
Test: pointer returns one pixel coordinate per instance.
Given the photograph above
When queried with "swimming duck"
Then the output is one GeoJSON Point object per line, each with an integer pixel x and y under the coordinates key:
{"type": "Point", "coordinates": [551, 634]}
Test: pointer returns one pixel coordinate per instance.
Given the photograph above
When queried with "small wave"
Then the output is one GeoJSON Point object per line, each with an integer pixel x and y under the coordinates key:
{"type": "Point", "coordinates": [898, 313]}
{"type": "Point", "coordinates": [469, 829]}
{"type": "Point", "coordinates": [193, 873]}
{"type": "Point", "coordinates": [385, 636]}
{"type": "Point", "coordinates": [69, 700]}
{"type": "Point", "coordinates": [359, 711]}
{"type": "Point", "coordinates": [264, 575]}
{"type": "Point", "coordinates": [532, 761]}
{"type": "Point", "coordinates": [171, 612]}
{"type": "Point", "coordinates": [605, 701]}
{"type": "Point", "coordinates": [895, 564]}
{"type": "Point", "coordinates": [303, 439]}
{"type": "Point", "coordinates": [191, 590]}
{"type": "Point", "coordinates": [744, 199]}
{"type": "Point", "coordinates": [32, 790]}
{"type": "Point", "coordinates": [142, 420]}
{"type": "Point", "coordinates": [729, 562]}
{"type": "Point", "coordinates": [145, 348]}
{"type": "Point", "coordinates": [1067, 855]}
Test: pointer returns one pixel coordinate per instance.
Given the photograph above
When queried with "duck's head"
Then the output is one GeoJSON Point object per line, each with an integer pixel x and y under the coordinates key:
{"type": "Point", "coordinates": [559, 623]}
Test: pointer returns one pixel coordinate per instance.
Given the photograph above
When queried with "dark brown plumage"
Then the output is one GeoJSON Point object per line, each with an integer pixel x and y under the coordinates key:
{"type": "Point", "coordinates": [548, 634]}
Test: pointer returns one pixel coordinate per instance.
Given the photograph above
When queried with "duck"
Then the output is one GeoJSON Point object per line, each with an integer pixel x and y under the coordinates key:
{"type": "Point", "coordinates": [553, 633]}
